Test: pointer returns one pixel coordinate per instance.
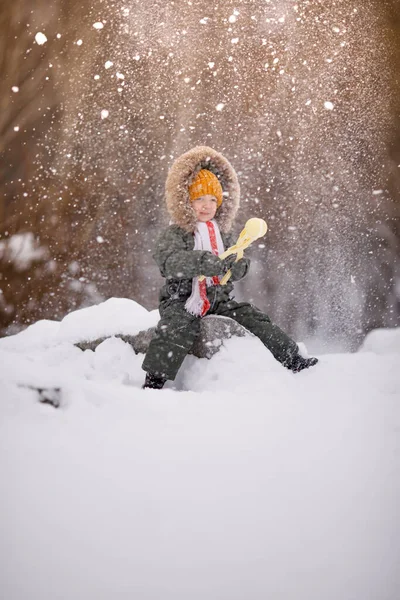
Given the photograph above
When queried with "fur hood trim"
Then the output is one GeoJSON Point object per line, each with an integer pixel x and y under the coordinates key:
{"type": "Point", "coordinates": [181, 175]}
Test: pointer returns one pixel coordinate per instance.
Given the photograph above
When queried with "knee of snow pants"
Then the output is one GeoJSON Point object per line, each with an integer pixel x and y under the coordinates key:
{"type": "Point", "coordinates": [175, 334]}
{"type": "Point", "coordinates": [258, 323]}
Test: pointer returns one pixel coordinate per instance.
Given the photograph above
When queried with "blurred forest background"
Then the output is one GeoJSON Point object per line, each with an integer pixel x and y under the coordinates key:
{"type": "Point", "coordinates": [303, 97]}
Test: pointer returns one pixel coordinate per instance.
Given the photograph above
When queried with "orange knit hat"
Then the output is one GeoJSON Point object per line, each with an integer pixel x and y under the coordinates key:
{"type": "Point", "coordinates": [205, 183]}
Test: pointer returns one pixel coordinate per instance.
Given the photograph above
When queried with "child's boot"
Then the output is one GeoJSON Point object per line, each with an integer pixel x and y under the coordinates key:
{"type": "Point", "coordinates": [299, 363]}
{"type": "Point", "coordinates": [154, 381]}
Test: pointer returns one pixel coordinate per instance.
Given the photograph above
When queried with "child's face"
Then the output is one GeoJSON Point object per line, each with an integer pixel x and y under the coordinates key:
{"type": "Point", "coordinates": [205, 207]}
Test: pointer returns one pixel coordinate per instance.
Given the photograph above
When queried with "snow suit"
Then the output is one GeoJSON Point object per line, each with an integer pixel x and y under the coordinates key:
{"type": "Point", "coordinates": [179, 263]}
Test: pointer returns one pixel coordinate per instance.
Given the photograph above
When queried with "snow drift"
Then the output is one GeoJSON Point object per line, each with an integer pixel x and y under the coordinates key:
{"type": "Point", "coordinates": [239, 480]}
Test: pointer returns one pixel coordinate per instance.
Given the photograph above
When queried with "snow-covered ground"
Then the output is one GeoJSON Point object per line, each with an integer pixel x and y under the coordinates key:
{"type": "Point", "coordinates": [244, 482]}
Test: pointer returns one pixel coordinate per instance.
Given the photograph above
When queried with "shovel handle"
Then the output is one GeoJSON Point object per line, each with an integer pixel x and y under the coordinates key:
{"type": "Point", "coordinates": [228, 274]}
{"type": "Point", "coordinates": [254, 229]}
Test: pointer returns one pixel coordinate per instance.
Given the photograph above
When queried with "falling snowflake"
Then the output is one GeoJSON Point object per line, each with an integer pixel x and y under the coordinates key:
{"type": "Point", "coordinates": [98, 25]}
{"type": "Point", "coordinates": [40, 38]}
{"type": "Point", "coordinates": [104, 114]}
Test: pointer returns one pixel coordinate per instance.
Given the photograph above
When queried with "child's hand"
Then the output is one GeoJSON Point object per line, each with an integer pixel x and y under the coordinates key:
{"type": "Point", "coordinates": [211, 265]}
{"type": "Point", "coordinates": [229, 261]}
{"type": "Point", "coordinates": [239, 269]}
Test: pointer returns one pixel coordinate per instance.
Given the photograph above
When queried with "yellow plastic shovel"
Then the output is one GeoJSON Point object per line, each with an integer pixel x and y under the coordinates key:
{"type": "Point", "coordinates": [254, 229]}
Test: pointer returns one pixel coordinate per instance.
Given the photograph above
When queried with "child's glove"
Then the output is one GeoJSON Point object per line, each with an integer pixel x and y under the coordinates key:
{"type": "Point", "coordinates": [211, 265]}
{"type": "Point", "coordinates": [238, 269]}
{"type": "Point", "coordinates": [229, 261]}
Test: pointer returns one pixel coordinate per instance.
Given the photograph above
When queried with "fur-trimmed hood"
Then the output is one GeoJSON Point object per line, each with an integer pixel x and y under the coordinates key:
{"type": "Point", "coordinates": [181, 175]}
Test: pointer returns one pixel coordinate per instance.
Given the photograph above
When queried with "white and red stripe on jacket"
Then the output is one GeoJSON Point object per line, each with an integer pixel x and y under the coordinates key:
{"type": "Point", "coordinates": [206, 237]}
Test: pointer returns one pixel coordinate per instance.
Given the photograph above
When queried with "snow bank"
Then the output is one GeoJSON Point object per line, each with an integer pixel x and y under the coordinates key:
{"type": "Point", "coordinates": [116, 315]}
{"type": "Point", "coordinates": [41, 334]}
{"type": "Point", "coordinates": [245, 481]}
{"type": "Point", "coordinates": [382, 341]}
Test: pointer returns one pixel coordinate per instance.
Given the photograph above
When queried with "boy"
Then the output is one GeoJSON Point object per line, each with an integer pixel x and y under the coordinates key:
{"type": "Point", "coordinates": [202, 195]}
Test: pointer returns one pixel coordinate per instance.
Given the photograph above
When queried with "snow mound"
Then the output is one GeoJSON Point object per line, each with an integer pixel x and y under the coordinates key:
{"type": "Point", "coordinates": [230, 367]}
{"type": "Point", "coordinates": [43, 333]}
{"type": "Point", "coordinates": [237, 469]}
{"type": "Point", "coordinates": [382, 341]}
{"type": "Point", "coordinates": [116, 315]}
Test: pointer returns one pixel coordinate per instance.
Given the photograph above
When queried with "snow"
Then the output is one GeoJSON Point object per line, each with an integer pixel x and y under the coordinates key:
{"type": "Point", "coordinates": [246, 481]}
{"type": "Point", "coordinates": [116, 315]}
{"type": "Point", "coordinates": [22, 249]}
{"type": "Point", "coordinates": [382, 341]}
{"type": "Point", "coordinates": [40, 38]}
